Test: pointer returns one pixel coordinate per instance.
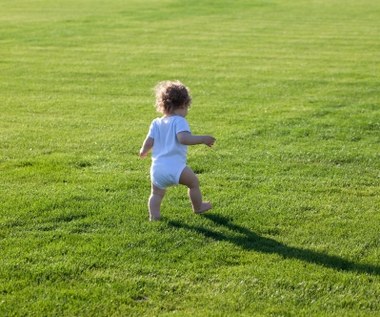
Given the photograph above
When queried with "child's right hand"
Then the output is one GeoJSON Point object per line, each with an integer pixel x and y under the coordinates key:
{"type": "Point", "coordinates": [209, 140]}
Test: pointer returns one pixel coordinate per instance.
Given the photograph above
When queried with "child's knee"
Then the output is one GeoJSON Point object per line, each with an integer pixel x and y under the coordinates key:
{"type": "Point", "coordinates": [188, 178]}
{"type": "Point", "coordinates": [194, 182]}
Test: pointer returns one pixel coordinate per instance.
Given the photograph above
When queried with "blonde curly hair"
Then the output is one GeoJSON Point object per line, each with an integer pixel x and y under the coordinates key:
{"type": "Point", "coordinates": [171, 95]}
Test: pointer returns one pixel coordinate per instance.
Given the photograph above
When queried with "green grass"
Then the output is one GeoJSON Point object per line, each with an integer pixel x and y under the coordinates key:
{"type": "Point", "coordinates": [290, 89]}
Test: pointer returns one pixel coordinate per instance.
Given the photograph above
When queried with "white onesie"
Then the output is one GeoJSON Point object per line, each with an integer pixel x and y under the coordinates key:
{"type": "Point", "coordinates": [168, 155]}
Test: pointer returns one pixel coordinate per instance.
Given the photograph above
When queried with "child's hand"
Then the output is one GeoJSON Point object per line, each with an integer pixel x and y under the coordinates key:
{"type": "Point", "coordinates": [146, 147]}
{"type": "Point", "coordinates": [143, 154]}
{"type": "Point", "coordinates": [209, 140]}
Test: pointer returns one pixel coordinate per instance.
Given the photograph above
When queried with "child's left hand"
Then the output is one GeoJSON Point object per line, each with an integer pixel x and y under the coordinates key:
{"type": "Point", "coordinates": [209, 140]}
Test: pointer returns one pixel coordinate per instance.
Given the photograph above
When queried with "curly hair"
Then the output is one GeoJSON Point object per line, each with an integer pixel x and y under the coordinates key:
{"type": "Point", "coordinates": [171, 95]}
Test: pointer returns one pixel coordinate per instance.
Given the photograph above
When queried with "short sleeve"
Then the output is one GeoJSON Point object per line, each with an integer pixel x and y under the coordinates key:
{"type": "Point", "coordinates": [152, 130]}
{"type": "Point", "coordinates": [182, 125]}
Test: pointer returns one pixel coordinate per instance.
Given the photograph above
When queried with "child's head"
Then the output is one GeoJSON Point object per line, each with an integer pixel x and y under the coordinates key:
{"type": "Point", "coordinates": [171, 95]}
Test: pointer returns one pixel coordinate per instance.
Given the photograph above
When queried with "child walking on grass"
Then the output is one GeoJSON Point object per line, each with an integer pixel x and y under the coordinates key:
{"type": "Point", "coordinates": [169, 137]}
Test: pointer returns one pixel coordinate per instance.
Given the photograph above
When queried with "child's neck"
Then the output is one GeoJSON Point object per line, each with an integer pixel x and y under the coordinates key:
{"type": "Point", "coordinates": [173, 114]}
{"type": "Point", "coordinates": [182, 112]}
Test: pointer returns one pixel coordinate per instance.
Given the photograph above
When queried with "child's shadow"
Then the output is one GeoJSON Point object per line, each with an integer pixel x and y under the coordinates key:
{"type": "Point", "coordinates": [248, 240]}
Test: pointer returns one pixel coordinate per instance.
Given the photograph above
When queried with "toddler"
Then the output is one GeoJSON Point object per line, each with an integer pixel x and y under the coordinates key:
{"type": "Point", "coordinates": [169, 137]}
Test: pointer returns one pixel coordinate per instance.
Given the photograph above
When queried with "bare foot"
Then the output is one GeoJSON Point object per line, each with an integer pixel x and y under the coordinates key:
{"type": "Point", "coordinates": [205, 207]}
{"type": "Point", "coordinates": [154, 215]}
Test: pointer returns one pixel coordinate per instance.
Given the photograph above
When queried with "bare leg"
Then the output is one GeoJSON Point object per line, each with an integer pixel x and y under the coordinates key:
{"type": "Point", "coordinates": [189, 179]}
{"type": "Point", "coordinates": [155, 202]}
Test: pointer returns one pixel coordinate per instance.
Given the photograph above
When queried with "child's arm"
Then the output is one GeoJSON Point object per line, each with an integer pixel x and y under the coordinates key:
{"type": "Point", "coordinates": [146, 147]}
{"type": "Point", "coordinates": [186, 138]}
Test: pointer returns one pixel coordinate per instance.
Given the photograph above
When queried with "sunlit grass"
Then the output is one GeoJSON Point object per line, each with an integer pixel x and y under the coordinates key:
{"type": "Point", "coordinates": [290, 91]}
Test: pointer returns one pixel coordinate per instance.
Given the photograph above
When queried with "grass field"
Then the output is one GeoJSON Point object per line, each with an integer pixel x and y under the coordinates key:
{"type": "Point", "coordinates": [291, 91]}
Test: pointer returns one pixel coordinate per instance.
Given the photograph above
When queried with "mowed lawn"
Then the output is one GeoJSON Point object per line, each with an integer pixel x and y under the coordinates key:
{"type": "Point", "coordinates": [291, 91]}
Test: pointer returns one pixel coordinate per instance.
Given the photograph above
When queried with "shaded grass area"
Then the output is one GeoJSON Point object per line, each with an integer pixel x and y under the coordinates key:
{"type": "Point", "coordinates": [250, 241]}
